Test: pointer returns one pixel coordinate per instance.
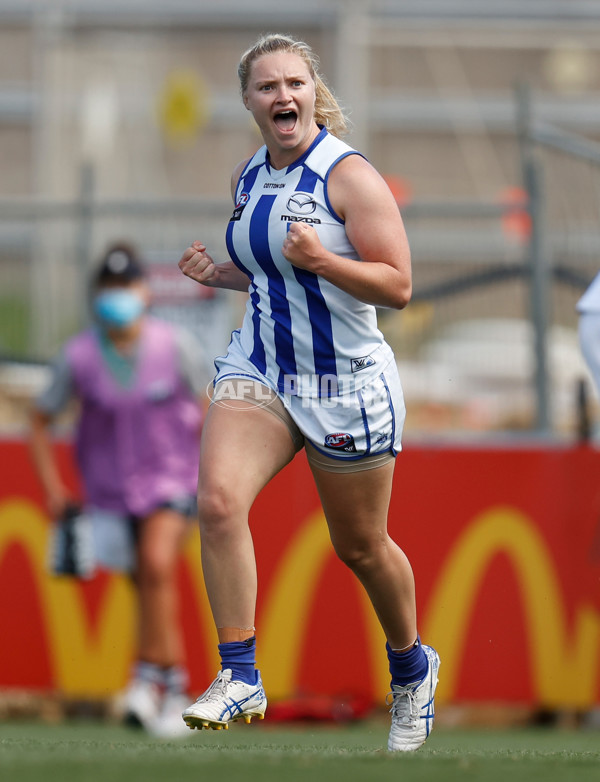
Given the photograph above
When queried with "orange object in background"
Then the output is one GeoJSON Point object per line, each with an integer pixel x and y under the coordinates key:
{"type": "Point", "coordinates": [516, 220]}
{"type": "Point", "coordinates": [401, 189]}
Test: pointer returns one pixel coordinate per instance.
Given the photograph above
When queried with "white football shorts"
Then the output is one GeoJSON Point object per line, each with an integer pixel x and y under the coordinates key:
{"type": "Point", "coordinates": [355, 431]}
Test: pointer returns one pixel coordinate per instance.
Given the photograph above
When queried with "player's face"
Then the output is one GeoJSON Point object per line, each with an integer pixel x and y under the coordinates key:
{"type": "Point", "coordinates": [281, 97]}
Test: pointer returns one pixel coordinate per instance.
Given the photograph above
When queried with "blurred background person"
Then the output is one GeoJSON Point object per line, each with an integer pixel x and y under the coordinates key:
{"type": "Point", "coordinates": [138, 381]}
{"type": "Point", "coordinates": [588, 308]}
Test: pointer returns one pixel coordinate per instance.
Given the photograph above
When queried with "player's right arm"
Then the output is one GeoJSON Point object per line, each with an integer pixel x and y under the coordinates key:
{"type": "Point", "coordinates": [197, 264]}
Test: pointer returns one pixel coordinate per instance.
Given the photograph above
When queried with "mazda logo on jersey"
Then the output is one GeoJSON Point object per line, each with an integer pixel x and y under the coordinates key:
{"type": "Point", "coordinates": [301, 204]}
{"type": "Point", "coordinates": [341, 441]}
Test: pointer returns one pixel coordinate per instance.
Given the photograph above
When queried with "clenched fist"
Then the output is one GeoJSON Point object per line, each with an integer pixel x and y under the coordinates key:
{"type": "Point", "coordinates": [197, 264]}
{"type": "Point", "coordinates": [302, 246]}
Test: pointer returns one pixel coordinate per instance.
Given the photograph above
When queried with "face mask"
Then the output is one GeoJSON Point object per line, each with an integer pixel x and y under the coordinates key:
{"type": "Point", "coordinates": [118, 308]}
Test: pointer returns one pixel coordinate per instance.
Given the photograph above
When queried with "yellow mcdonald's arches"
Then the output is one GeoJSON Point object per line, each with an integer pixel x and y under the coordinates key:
{"type": "Point", "coordinates": [95, 661]}
{"type": "Point", "coordinates": [85, 662]}
{"type": "Point", "coordinates": [283, 622]}
{"type": "Point", "coordinates": [565, 662]}
{"type": "Point", "coordinates": [283, 618]}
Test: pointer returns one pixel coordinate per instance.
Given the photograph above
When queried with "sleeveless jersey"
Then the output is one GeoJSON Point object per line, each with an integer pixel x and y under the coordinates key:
{"type": "Point", "coordinates": [302, 333]}
{"type": "Point", "coordinates": [590, 301]}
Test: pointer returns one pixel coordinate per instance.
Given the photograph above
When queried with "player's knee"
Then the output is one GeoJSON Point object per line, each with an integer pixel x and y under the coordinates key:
{"type": "Point", "coordinates": [217, 510]}
{"type": "Point", "coordinates": [359, 556]}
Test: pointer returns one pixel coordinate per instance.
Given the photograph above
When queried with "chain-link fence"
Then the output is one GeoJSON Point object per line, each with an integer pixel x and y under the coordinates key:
{"type": "Point", "coordinates": [488, 343]}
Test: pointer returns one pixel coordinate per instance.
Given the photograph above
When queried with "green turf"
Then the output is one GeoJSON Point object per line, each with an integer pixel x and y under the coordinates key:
{"type": "Point", "coordinates": [14, 326]}
{"type": "Point", "coordinates": [94, 752]}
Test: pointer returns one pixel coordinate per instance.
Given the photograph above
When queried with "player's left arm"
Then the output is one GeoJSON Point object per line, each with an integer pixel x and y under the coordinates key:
{"type": "Point", "coordinates": [374, 227]}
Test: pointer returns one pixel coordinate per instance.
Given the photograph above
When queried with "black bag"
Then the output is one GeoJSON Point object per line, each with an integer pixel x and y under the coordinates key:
{"type": "Point", "coordinates": [72, 546]}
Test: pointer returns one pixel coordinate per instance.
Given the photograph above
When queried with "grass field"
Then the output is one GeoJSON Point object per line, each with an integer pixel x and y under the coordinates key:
{"type": "Point", "coordinates": [14, 326]}
{"type": "Point", "coordinates": [94, 752]}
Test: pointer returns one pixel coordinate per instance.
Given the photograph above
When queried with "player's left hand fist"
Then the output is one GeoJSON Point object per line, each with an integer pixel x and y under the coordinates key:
{"type": "Point", "coordinates": [302, 246]}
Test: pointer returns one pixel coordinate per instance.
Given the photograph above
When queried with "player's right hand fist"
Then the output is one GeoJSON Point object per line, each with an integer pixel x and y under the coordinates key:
{"type": "Point", "coordinates": [197, 264]}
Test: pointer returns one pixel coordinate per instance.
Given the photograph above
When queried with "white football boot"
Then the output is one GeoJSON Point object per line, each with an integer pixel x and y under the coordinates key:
{"type": "Point", "coordinates": [226, 701]}
{"type": "Point", "coordinates": [412, 708]}
{"type": "Point", "coordinates": [168, 723]}
{"type": "Point", "coordinates": [141, 703]}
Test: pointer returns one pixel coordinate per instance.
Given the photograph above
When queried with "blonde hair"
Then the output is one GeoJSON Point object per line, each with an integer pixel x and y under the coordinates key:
{"type": "Point", "coordinates": [327, 109]}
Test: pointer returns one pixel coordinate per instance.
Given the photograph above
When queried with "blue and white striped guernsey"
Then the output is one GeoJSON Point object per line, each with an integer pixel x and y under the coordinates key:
{"type": "Point", "coordinates": [305, 335]}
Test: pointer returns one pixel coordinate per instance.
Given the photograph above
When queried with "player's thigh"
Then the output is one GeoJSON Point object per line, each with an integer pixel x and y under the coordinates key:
{"type": "Point", "coordinates": [355, 504]}
{"type": "Point", "coordinates": [243, 446]}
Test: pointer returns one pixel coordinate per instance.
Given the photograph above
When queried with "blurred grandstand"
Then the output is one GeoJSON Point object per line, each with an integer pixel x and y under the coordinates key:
{"type": "Point", "coordinates": [117, 122]}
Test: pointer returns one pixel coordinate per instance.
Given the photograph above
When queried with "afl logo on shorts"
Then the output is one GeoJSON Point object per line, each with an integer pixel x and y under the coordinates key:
{"type": "Point", "coordinates": [239, 207]}
{"type": "Point", "coordinates": [340, 441]}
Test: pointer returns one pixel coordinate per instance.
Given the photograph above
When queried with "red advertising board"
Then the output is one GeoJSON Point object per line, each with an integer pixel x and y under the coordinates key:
{"type": "Point", "coordinates": [504, 542]}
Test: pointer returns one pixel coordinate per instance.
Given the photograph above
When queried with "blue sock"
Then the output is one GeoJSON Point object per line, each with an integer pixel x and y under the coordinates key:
{"type": "Point", "coordinates": [240, 657]}
{"type": "Point", "coordinates": [408, 667]}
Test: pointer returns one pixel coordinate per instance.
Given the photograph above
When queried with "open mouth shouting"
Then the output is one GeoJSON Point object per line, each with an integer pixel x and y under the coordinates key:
{"type": "Point", "coordinates": [285, 120]}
